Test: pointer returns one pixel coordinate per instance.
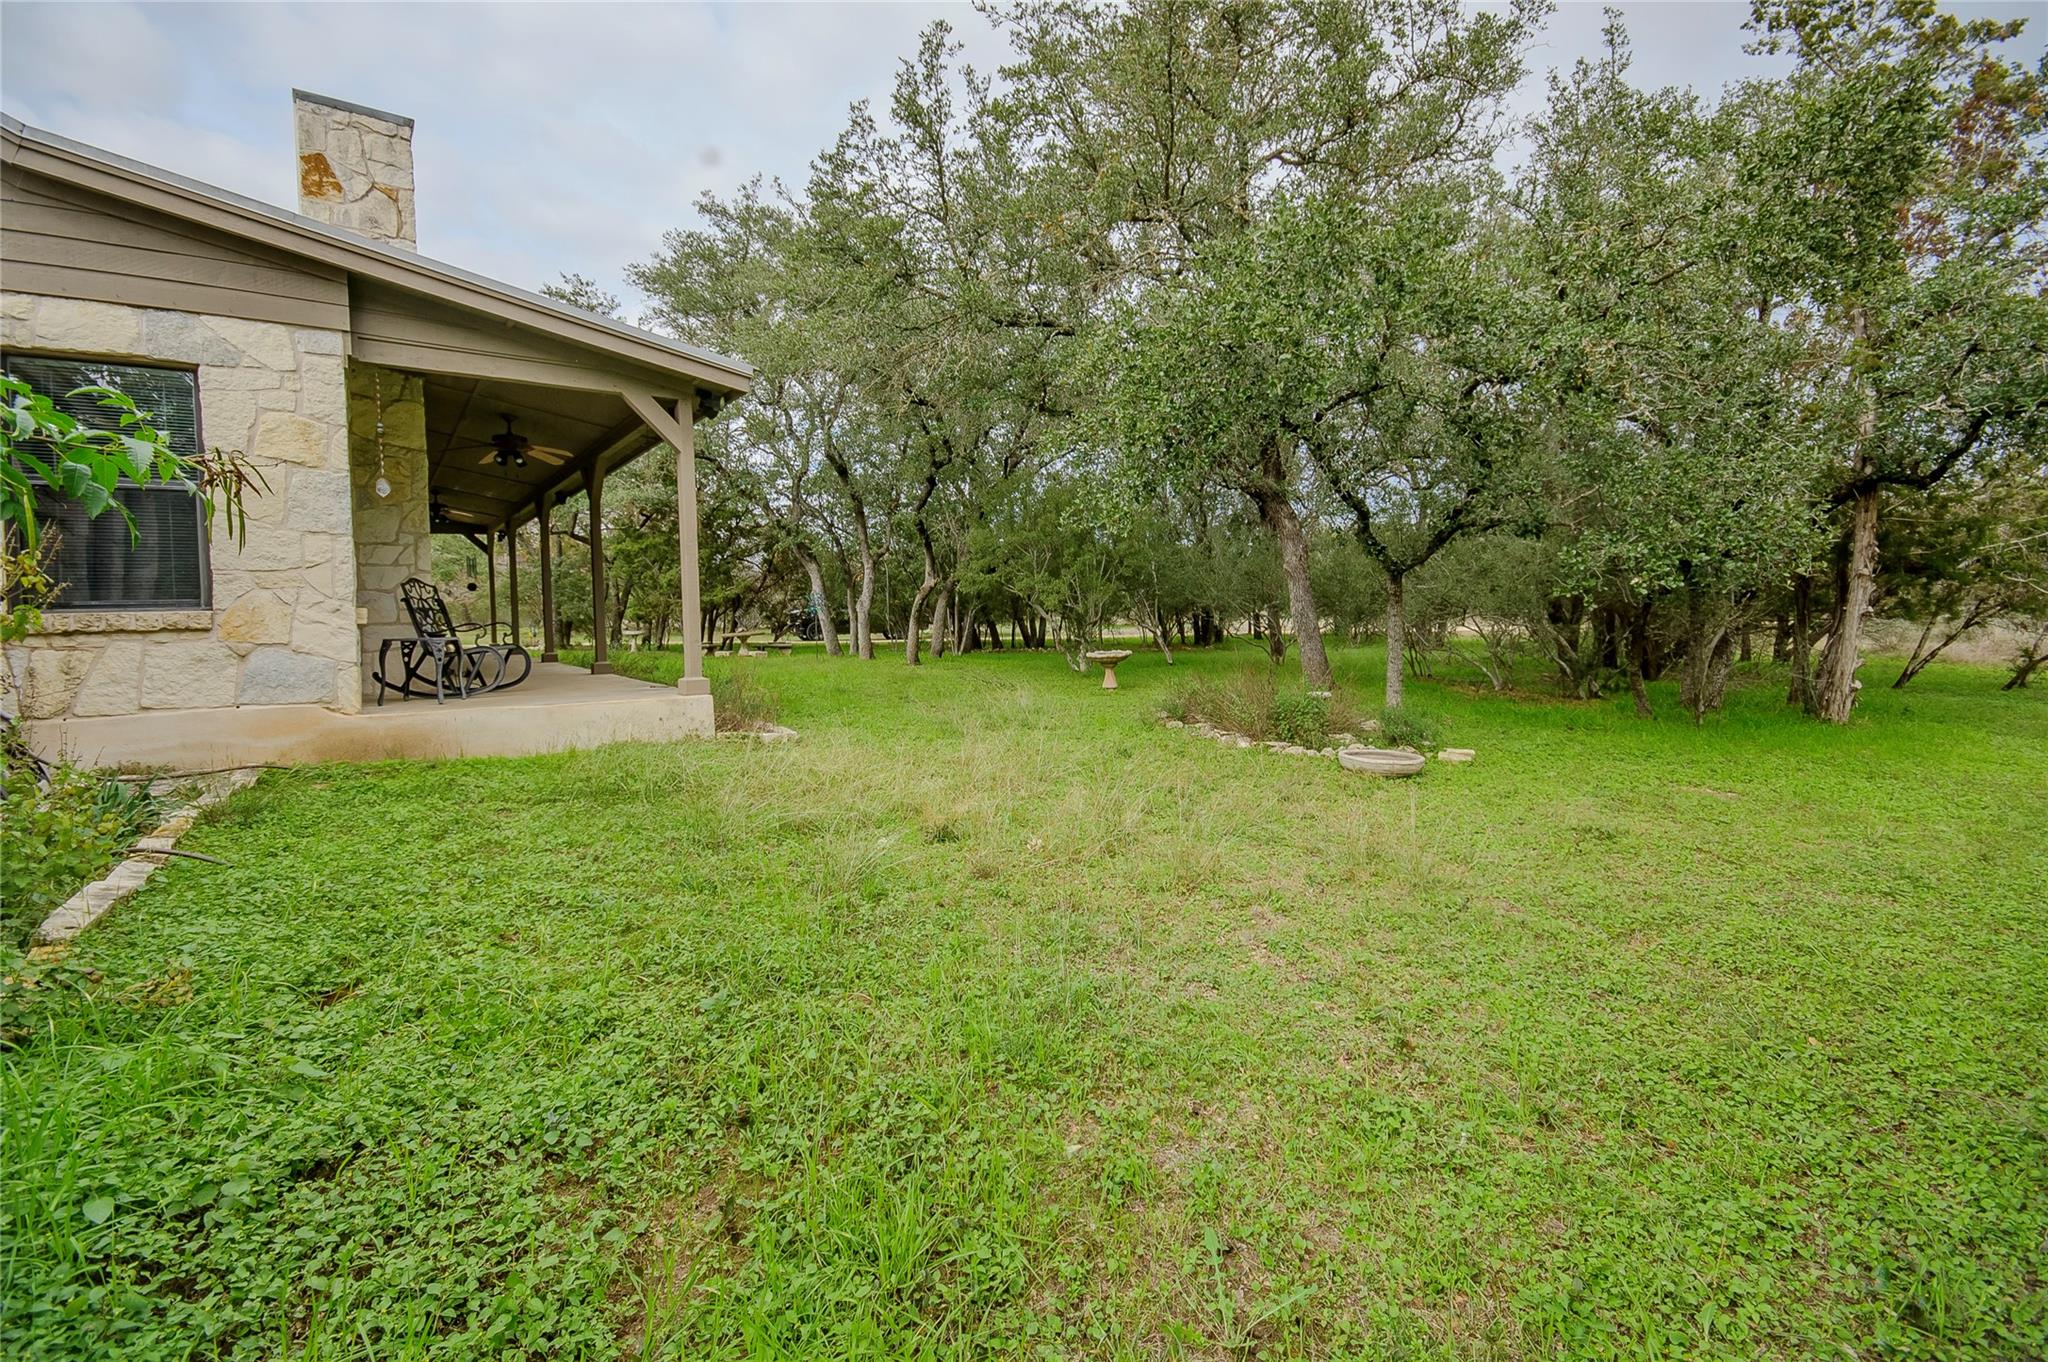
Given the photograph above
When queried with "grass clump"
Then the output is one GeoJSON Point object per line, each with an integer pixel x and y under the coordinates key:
{"type": "Point", "coordinates": [1252, 702]}
{"type": "Point", "coordinates": [741, 703]}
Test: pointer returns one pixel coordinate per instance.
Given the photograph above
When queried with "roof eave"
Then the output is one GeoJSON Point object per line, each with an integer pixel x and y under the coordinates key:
{"type": "Point", "coordinates": [92, 168]}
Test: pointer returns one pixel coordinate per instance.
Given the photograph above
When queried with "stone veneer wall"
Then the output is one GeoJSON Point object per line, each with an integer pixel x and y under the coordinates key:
{"type": "Point", "coordinates": [355, 169]}
{"type": "Point", "coordinates": [282, 627]}
{"type": "Point", "coordinates": [393, 537]}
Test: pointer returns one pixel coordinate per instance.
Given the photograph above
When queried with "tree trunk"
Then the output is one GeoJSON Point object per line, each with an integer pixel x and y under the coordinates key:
{"type": "Point", "coordinates": [1799, 646]}
{"type": "Point", "coordinates": [1834, 688]}
{"type": "Point", "coordinates": [1397, 639]}
{"type": "Point", "coordinates": [1638, 657]}
{"type": "Point", "coordinates": [942, 634]}
{"type": "Point", "coordinates": [1565, 616]}
{"type": "Point", "coordinates": [924, 590]}
{"type": "Point", "coordinates": [1279, 516]}
{"type": "Point", "coordinates": [911, 634]}
{"type": "Point", "coordinates": [1276, 637]}
{"type": "Point", "coordinates": [863, 604]}
{"type": "Point", "coordinates": [1977, 612]}
{"type": "Point", "coordinates": [1165, 647]}
{"type": "Point", "coordinates": [1705, 681]}
{"type": "Point", "coordinates": [2029, 660]}
{"type": "Point", "coordinates": [827, 628]}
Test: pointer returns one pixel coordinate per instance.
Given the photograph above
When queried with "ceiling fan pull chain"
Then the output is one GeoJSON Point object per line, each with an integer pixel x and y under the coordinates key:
{"type": "Point", "coordinates": [383, 484]}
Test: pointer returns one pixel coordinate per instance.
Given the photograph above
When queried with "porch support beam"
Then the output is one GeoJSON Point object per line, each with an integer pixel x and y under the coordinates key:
{"type": "Point", "coordinates": [678, 428]}
{"type": "Point", "coordinates": [512, 578]}
{"type": "Point", "coordinates": [600, 661]}
{"type": "Point", "coordinates": [544, 514]}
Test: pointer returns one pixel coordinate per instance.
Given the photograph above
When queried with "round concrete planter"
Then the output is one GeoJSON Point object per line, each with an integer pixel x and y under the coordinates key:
{"type": "Point", "coordinates": [1381, 761]}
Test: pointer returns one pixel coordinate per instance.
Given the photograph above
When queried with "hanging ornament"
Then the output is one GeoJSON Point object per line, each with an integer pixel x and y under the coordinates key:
{"type": "Point", "coordinates": [383, 484]}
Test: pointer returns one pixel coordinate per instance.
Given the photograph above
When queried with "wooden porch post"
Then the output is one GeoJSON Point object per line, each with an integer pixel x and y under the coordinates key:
{"type": "Point", "coordinates": [512, 576]}
{"type": "Point", "coordinates": [547, 576]}
{"type": "Point", "coordinates": [678, 428]}
{"type": "Point", "coordinates": [692, 681]}
{"type": "Point", "coordinates": [600, 662]}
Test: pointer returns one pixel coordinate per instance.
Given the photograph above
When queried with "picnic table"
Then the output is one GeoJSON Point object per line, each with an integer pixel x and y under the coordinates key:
{"type": "Point", "coordinates": [751, 642]}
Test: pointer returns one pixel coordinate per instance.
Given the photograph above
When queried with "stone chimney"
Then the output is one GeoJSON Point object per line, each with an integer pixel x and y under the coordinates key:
{"type": "Point", "coordinates": [355, 168]}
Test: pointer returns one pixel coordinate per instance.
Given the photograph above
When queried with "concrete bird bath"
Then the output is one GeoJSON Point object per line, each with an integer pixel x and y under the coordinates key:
{"type": "Point", "coordinates": [1380, 761]}
{"type": "Point", "coordinates": [1108, 658]}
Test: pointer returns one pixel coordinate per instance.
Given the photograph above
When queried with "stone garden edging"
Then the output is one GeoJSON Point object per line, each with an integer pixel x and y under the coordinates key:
{"type": "Point", "coordinates": [93, 902]}
{"type": "Point", "coordinates": [764, 733]}
{"type": "Point", "coordinates": [1344, 741]}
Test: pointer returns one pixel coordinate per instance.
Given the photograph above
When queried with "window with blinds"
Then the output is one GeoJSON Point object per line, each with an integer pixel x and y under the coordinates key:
{"type": "Point", "coordinates": [99, 563]}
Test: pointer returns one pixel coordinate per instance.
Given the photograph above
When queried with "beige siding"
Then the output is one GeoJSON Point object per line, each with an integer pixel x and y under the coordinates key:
{"type": "Point", "coordinates": [66, 242]}
{"type": "Point", "coordinates": [403, 330]}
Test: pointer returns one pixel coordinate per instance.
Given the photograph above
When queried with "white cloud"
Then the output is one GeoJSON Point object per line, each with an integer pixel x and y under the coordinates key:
{"type": "Point", "coordinates": [555, 137]}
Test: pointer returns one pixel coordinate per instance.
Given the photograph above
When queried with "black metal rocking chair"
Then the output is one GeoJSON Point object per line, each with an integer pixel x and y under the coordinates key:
{"type": "Point", "coordinates": [473, 668]}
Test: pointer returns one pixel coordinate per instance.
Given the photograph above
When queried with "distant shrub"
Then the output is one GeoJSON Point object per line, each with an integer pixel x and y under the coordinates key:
{"type": "Point", "coordinates": [1406, 727]}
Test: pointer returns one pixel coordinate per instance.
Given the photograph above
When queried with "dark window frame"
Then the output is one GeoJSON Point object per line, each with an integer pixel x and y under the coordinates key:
{"type": "Point", "coordinates": [204, 541]}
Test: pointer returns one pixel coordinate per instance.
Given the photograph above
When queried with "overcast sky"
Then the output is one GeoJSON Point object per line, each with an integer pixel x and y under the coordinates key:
{"type": "Point", "coordinates": [568, 137]}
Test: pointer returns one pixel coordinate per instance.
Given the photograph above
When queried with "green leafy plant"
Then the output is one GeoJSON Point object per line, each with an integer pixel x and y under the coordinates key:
{"type": "Point", "coordinates": [81, 463]}
{"type": "Point", "coordinates": [57, 836]}
{"type": "Point", "coordinates": [1301, 719]}
{"type": "Point", "coordinates": [1405, 726]}
{"type": "Point", "coordinates": [46, 450]}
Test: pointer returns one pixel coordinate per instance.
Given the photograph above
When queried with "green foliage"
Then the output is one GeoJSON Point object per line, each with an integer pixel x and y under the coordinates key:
{"type": "Point", "coordinates": [77, 462]}
{"type": "Point", "coordinates": [54, 841]}
{"type": "Point", "coordinates": [1407, 726]}
{"type": "Point", "coordinates": [84, 464]}
{"type": "Point", "coordinates": [1301, 719]}
{"type": "Point", "coordinates": [1137, 328]}
{"type": "Point", "coordinates": [1254, 702]}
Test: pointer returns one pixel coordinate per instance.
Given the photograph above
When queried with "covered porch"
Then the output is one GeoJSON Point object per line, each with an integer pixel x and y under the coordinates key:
{"type": "Point", "coordinates": [458, 427]}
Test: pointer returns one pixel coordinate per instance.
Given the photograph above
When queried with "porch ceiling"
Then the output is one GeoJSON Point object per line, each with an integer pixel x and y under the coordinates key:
{"type": "Point", "coordinates": [473, 492]}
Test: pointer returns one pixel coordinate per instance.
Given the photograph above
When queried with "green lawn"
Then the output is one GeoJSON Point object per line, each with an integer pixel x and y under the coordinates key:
{"type": "Point", "coordinates": [993, 1019]}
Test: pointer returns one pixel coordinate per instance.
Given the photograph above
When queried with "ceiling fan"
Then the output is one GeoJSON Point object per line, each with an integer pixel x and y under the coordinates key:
{"type": "Point", "coordinates": [508, 448]}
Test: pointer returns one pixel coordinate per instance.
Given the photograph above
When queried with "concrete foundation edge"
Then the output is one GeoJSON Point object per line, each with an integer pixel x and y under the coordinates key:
{"type": "Point", "coordinates": [212, 739]}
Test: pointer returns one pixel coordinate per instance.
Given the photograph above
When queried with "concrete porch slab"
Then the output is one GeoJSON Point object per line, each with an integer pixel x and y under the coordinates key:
{"type": "Point", "coordinates": [557, 708]}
